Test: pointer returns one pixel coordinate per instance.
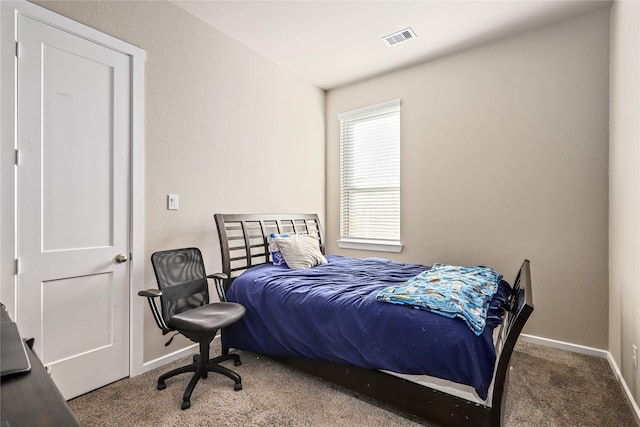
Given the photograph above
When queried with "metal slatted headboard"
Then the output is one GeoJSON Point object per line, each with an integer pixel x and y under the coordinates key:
{"type": "Point", "coordinates": [244, 240]}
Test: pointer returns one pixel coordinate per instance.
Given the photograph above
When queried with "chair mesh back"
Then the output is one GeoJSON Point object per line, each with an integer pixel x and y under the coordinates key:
{"type": "Point", "coordinates": [182, 279]}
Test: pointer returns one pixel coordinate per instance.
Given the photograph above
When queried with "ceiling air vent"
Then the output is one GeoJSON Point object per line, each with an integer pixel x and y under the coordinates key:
{"type": "Point", "coordinates": [399, 37]}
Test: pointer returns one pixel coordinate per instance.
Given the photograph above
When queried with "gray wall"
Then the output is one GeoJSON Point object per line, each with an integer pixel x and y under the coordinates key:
{"type": "Point", "coordinates": [226, 130]}
{"type": "Point", "coordinates": [624, 190]}
{"type": "Point", "coordinates": [504, 157]}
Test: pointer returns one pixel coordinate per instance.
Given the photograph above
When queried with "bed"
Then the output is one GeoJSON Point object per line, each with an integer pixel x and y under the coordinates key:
{"type": "Point", "coordinates": [462, 382]}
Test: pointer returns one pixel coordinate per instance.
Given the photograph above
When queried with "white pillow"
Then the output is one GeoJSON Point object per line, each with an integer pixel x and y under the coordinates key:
{"type": "Point", "coordinates": [300, 251]}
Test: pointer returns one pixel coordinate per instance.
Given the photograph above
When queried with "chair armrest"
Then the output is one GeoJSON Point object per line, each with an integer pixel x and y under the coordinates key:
{"type": "Point", "coordinates": [219, 279]}
{"type": "Point", "coordinates": [151, 295]}
{"type": "Point", "coordinates": [221, 276]}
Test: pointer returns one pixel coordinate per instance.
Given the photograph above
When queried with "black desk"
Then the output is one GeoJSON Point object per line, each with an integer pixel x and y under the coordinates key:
{"type": "Point", "coordinates": [32, 399]}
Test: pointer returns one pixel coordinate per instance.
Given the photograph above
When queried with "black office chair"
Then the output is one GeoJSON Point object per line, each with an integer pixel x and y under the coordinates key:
{"type": "Point", "coordinates": [184, 299]}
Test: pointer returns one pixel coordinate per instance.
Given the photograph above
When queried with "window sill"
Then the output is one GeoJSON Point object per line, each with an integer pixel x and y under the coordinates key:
{"type": "Point", "coordinates": [371, 245]}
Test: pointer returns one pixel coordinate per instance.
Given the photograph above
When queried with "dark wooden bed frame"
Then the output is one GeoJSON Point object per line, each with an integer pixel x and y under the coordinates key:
{"type": "Point", "coordinates": [244, 243]}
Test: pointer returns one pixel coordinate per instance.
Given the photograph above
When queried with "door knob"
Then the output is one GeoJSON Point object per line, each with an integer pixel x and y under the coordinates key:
{"type": "Point", "coordinates": [120, 258]}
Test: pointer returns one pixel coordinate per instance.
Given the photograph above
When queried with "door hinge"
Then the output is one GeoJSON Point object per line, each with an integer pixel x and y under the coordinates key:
{"type": "Point", "coordinates": [17, 266]}
{"type": "Point", "coordinates": [17, 157]}
{"type": "Point", "coordinates": [17, 49]}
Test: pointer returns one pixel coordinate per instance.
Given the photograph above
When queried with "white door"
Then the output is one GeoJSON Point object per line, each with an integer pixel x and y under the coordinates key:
{"type": "Point", "coordinates": [73, 175]}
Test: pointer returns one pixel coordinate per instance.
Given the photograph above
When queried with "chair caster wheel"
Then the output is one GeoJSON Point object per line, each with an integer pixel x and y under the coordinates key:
{"type": "Point", "coordinates": [237, 362]}
{"type": "Point", "coordinates": [162, 386]}
{"type": "Point", "coordinates": [237, 387]}
{"type": "Point", "coordinates": [185, 405]}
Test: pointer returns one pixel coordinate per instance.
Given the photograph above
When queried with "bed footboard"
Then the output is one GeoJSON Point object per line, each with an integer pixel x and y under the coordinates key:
{"type": "Point", "coordinates": [520, 308]}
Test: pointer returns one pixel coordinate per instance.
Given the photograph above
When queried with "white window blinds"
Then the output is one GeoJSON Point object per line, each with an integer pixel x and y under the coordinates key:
{"type": "Point", "coordinates": [370, 173]}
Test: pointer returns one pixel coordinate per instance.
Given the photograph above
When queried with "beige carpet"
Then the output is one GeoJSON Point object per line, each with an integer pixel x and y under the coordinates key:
{"type": "Point", "coordinates": [548, 387]}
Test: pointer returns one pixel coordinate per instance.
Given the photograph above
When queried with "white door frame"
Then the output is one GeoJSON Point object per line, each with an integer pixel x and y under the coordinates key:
{"type": "Point", "coordinates": [8, 292]}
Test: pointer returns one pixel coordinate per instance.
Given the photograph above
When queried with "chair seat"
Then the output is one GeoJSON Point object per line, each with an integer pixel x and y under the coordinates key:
{"type": "Point", "coordinates": [208, 317]}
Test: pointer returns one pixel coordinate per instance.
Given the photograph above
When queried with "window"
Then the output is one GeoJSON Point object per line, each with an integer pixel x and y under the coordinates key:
{"type": "Point", "coordinates": [370, 178]}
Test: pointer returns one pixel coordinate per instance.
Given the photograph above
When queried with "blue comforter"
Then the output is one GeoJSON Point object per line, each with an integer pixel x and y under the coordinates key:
{"type": "Point", "coordinates": [330, 312]}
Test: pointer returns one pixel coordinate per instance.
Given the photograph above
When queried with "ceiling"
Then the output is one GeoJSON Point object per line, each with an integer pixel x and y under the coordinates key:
{"type": "Point", "coordinates": [334, 43]}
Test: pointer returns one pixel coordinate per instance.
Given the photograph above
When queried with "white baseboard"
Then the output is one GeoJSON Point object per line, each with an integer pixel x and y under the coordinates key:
{"type": "Point", "coordinates": [590, 351]}
{"type": "Point", "coordinates": [623, 383]}
{"type": "Point", "coordinates": [168, 358]}
{"type": "Point", "coordinates": [161, 361]}
{"type": "Point", "coordinates": [575, 348]}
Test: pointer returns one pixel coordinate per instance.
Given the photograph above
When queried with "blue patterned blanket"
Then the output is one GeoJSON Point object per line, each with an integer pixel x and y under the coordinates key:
{"type": "Point", "coordinates": [449, 290]}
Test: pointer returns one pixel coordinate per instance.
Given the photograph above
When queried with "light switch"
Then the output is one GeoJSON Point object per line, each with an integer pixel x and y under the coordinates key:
{"type": "Point", "coordinates": [172, 202]}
